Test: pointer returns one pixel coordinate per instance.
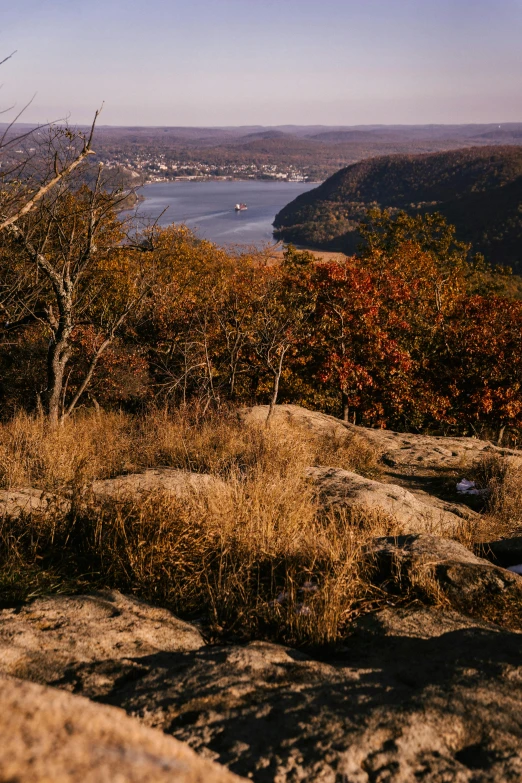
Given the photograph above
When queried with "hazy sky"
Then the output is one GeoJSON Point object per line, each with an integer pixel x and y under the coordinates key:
{"type": "Point", "coordinates": [238, 62]}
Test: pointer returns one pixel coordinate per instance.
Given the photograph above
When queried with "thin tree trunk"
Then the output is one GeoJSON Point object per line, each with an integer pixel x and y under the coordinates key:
{"type": "Point", "coordinates": [57, 358]}
{"type": "Point", "coordinates": [345, 406]}
{"type": "Point", "coordinates": [275, 390]}
{"type": "Point", "coordinates": [88, 377]}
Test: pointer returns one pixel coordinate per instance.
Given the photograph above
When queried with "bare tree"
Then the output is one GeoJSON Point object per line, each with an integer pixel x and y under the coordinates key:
{"type": "Point", "coordinates": [66, 267]}
{"type": "Point", "coordinates": [62, 260]}
{"type": "Point", "coordinates": [279, 320]}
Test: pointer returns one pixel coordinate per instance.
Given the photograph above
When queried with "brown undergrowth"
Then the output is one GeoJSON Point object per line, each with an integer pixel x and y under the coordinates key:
{"type": "Point", "coordinates": [501, 476]}
{"type": "Point", "coordinates": [251, 554]}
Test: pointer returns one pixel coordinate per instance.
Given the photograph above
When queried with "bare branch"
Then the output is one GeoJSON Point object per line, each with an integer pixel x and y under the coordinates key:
{"type": "Point", "coordinates": [8, 57]}
{"type": "Point", "coordinates": [29, 205]}
{"type": "Point", "coordinates": [97, 356]}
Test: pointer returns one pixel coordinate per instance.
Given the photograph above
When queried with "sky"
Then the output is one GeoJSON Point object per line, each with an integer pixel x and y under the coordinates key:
{"type": "Point", "coordinates": [263, 62]}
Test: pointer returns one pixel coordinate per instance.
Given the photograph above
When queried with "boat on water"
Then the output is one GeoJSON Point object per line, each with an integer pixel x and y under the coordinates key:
{"type": "Point", "coordinates": [240, 207]}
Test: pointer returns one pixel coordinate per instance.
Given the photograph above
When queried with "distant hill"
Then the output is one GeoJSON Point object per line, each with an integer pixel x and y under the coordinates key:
{"type": "Point", "coordinates": [265, 134]}
{"type": "Point", "coordinates": [478, 189]}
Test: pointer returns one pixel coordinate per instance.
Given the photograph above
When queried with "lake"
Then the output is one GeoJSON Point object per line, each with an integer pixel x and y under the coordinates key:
{"type": "Point", "coordinates": [208, 207]}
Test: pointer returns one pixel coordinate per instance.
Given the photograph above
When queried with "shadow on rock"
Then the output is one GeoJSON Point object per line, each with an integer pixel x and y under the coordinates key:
{"type": "Point", "coordinates": [391, 706]}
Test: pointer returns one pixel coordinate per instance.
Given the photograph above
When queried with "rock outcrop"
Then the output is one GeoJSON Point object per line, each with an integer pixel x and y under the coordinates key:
{"type": "Point", "coordinates": [52, 737]}
{"type": "Point", "coordinates": [470, 584]}
{"type": "Point", "coordinates": [426, 690]}
{"type": "Point", "coordinates": [415, 695]}
{"type": "Point", "coordinates": [411, 513]}
{"type": "Point", "coordinates": [395, 448]}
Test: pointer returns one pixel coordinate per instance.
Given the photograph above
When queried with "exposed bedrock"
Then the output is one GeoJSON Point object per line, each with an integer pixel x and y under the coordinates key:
{"type": "Point", "coordinates": [415, 694]}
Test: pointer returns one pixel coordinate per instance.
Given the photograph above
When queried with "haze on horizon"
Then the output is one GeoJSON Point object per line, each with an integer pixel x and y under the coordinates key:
{"type": "Point", "coordinates": [265, 62]}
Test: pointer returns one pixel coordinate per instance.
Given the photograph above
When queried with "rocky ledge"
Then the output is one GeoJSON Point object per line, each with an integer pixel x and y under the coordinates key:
{"type": "Point", "coordinates": [415, 693]}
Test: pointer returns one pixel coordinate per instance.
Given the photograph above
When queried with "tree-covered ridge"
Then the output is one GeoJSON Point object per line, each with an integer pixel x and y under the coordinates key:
{"type": "Point", "coordinates": [479, 190]}
{"type": "Point", "coordinates": [413, 332]}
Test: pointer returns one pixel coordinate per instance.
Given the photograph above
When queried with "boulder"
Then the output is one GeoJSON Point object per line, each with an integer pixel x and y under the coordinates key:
{"type": "Point", "coordinates": [53, 737]}
{"type": "Point", "coordinates": [410, 513]}
{"type": "Point", "coordinates": [42, 640]}
{"type": "Point", "coordinates": [165, 480]}
{"type": "Point", "coordinates": [469, 583]}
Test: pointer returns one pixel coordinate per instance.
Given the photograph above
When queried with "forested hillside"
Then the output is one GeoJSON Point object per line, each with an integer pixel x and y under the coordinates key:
{"type": "Point", "coordinates": [479, 190]}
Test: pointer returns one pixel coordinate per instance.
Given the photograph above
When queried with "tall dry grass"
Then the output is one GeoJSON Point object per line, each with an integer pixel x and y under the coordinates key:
{"type": "Point", "coordinates": [105, 444]}
{"type": "Point", "coordinates": [251, 553]}
{"type": "Point", "coordinates": [502, 477]}
{"type": "Point", "coordinates": [84, 448]}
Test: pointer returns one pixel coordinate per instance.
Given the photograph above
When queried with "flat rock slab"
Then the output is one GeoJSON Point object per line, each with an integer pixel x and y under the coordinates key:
{"type": "Point", "coordinates": [166, 480]}
{"type": "Point", "coordinates": [52, 737]}
{"type": "Point", "coordinates": [412, 514]}
{"type": "Point", "coordinates": [426, 695]}
{"type": "Point", "coordinates": [42, 639]}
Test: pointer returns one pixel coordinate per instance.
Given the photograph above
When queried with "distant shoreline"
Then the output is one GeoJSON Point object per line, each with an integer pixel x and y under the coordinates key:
{"type": "Point", "coordinates": [274, 180]}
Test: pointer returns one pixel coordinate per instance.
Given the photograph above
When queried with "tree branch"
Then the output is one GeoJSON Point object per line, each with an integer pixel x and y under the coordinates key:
{"type": "Point", "coordinates": [59, 175]}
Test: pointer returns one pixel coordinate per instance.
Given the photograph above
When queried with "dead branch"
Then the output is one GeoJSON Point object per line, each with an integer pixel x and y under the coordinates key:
{"type": "Point", "coordinates": [59, 175]}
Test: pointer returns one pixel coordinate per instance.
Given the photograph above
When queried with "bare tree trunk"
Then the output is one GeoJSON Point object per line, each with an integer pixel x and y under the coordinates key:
{"type": "Point", "coordinates": [59, 352]}
{"type": "Point", "coordinates": [275, 390]}
{"type": "Point", "coordinates": [345, 406]}
{"type": "Point", "coordinates": [58, 355]}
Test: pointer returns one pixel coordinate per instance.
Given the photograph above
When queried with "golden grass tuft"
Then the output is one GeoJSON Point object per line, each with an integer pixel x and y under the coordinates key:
{"type": "Point", "coordinates": [502, 477]}
{"type": "Point", "coordinates": [84, 448]}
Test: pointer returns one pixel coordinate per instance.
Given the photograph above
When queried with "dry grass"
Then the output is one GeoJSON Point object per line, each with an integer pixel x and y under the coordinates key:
{"type": "Point", "coordinates": [349, 452]}
{"type": "Point", "coordinates": [252, 553]}
{"type": "Point", "coordinates": [86, 447]}
{"type": "Point", "coordinates": [502, 477]}
{"type": "Point", "coordinates": [101, 445]}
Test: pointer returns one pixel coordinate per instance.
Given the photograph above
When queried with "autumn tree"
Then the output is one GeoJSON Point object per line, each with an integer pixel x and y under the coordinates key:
{"type": "Point", "coordinates": [480, 368]}
{"type": "Point", "coordinates": [64, 266]}
{"type": "Point", "coordinates": [355, 340]}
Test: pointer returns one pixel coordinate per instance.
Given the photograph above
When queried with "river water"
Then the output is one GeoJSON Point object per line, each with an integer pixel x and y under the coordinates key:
{"type": "Point", "coordinates": [208, 207]}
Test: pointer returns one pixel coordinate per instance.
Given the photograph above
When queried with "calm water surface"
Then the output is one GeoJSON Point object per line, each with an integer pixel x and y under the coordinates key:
{"type": "Point", "coordinates": [208, 207]}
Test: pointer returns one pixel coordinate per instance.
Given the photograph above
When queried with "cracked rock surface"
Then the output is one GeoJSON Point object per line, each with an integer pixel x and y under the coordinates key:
{"type": "Point", "coordinates": [414, 695]}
